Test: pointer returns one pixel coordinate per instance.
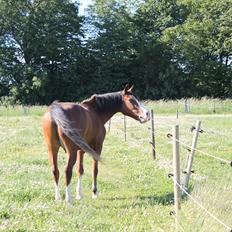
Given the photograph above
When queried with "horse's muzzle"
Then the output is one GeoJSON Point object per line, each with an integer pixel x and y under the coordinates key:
{"type": "Point", "coordinates": [143, 119]}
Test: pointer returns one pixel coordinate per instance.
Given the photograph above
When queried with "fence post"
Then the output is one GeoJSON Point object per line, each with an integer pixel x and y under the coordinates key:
{"type": "Point", "coordinates": [125, 128]}
{"type": "Point", "coordinates": [177, 113]}
{"type": "Point", "coordinates": [153, 135]}
{"type": "Point", "coordinates": [24, 110]}
{"type": "Point", "coordinates": [214, 107]}
{"type": "Point", "coordinates": [176, 172]}
{"type": "Point", "coordinates": [191, 156]}
{"type": "Point", "coordinates": [186, 106]}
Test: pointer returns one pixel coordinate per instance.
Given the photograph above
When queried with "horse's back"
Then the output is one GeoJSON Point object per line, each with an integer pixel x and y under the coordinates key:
{"type": "Point", "coordinates": [84, 119]}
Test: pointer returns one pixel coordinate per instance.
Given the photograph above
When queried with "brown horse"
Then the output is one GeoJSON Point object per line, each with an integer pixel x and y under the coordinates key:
{"type": "Point", "coordinates": [79, 128]}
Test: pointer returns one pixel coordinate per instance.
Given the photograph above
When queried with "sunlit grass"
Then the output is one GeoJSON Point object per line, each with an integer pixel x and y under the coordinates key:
{"type": "Point", "coordinates": [195, 106]}
{"type": "Point", "coordinates": [19, 110]}
{"type": "Point", "coordinates": [135, 193]}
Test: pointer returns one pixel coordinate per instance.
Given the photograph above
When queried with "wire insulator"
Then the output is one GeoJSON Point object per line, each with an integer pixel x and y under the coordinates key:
{"type": "Point", "coordinates": [192, 128]}
{"type": "Point", "coordinates": [172, 213]}
{"type": "Point", "coordinates": [169, 135]}
{"type": "Point", "coordinates": [170, 175]}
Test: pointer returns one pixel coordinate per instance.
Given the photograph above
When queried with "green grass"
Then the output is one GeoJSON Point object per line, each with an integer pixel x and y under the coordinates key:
{"type": "Point", "coordinates": [134, 191]}
{"type": "Point", "coordinates": [19, 110]}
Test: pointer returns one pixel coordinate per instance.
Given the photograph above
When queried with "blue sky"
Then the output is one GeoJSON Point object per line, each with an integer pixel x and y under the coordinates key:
{"type": "Point", "coordinates": [83, 5]}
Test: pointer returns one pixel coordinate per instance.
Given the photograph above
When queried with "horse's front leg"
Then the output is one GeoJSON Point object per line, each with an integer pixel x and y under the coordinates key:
{"type": "Point", "coordinates": [98, 149]}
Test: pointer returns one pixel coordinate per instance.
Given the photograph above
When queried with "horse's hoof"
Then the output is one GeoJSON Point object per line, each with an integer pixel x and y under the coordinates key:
{"type": "Point", "coordinates": [58, 197]}
{"type": "Point", "coordinates": [68, 200]}
{"type": "Point", "coordinates": [94, 196]}
{"type": "Point", "coordinates": [79, 197]}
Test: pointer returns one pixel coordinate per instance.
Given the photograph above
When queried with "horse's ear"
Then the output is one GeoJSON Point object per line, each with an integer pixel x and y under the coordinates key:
{"type": "Point", "coordinates": [127, 89]}
{"type": "Point", "coordinates": [130, 89]}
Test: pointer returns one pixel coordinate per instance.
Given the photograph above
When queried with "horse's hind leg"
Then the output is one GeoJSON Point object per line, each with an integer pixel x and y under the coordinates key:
{"type": "Point", "coordinates": [52, 154]}
{"type": "Point", "coordinates": [52, 141]}
{"type": "Point", "coordinates": [71, 160]}
{"type": "Point", "coordinates": [80, 172]}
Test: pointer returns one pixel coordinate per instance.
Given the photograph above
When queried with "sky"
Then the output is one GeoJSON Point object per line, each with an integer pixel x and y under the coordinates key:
{"type": "Point", "coordinates": [83, 5]}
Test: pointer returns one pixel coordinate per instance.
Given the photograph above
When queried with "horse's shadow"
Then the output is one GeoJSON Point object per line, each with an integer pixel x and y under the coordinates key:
{"type": "Point", "coordinates": [141, 201]}
{"type": "Point", "coordinates": [147, 200]}
{"type": "Point", "coordinates": [151, 200]}
{"type": "Point", "coordinates": [165, 199]}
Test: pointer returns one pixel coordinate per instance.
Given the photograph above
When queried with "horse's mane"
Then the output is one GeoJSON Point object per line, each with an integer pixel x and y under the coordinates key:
{"type": "Point", "coordinates": [104, 103]}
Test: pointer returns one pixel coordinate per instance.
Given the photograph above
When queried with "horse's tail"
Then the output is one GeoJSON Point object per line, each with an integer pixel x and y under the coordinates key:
{"type": "Point", "coordinates": [60, 118]}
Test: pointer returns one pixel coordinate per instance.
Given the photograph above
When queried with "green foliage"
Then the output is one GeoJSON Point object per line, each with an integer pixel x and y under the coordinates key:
{"type": "Point", "coordinates": [128, 46]}
{"type": "Point", "coordinates": [110, 44]}
{"type": "Point", "coordinates": [202, 46]}
{"type": "Point", "coordinates": [40, 42]}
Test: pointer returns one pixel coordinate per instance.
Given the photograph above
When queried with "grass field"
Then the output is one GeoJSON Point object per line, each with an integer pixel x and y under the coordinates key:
{"type": "Point", "coordinates": [134, 191]}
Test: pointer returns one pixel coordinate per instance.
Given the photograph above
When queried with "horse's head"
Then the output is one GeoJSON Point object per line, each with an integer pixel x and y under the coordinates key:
{"type": "Point", "coordinates": [132, 107]}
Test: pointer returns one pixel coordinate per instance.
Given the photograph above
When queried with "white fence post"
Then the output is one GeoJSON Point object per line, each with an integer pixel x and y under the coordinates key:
{"type": "Point", "coordinates": [176, 172]}
{"type": "Point", "coordinates": [191, 156]}
{"type": "Point", "coordinates": [177, 114]}
{"type": "Point", "coordinates": [186, 105]}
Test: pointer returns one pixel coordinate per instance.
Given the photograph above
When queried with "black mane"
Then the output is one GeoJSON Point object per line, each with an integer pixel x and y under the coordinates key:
{"type": "Point", "coordinates": [105, 103]}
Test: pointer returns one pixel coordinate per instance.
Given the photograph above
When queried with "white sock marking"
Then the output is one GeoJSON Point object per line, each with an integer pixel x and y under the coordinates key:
{"type": "Point", "coordinates": [79, 188]}
{"type": "Point", "coordinates": [94, 195]}
{"type": "Point", "coordinates": [57, 193]}
{"type": "Point", "coordinates": [68, 193]}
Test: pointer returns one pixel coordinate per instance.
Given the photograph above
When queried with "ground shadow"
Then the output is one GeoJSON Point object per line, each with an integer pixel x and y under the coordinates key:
{"type": "Point", "coordinates": [165, 199]}
{"type": "Point", "coordinates": [141, 201]}
{"type": "Point", "coordinates": [146, 200]}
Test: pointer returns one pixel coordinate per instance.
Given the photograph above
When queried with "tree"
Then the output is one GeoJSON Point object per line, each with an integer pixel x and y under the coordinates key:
{"type": "Point", "coordinates": [127, 46]}
{"type": "Point", "coordinates": [202, 46]}
{"type": "Point", "coordinates": [153, 68]}
{"type": "Point", "coordinates": [40, 42]}
{"type": "Point", "coordinates": [168, 49]}
{"type": "Point", "coordinates": [109, 44]}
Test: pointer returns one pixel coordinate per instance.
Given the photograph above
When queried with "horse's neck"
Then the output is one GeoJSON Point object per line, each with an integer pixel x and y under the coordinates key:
{"type": "Point", "coordinates": [105, 105]}
{"type": "Point", "coordinates": [105, 117]}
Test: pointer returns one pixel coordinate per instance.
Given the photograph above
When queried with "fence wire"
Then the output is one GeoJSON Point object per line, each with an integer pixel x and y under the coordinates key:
{"type": "Point", "coordinates": [201, 206]}
{"type": "Point", "coordinates": [203, 152]}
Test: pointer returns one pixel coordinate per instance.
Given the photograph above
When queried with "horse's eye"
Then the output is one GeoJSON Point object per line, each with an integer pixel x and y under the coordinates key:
{"type": "Point", "coordinates": [133, 102]}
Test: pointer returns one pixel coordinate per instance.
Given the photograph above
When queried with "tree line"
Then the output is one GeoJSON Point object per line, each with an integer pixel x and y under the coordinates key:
{"type": "Point", "coordinates": [167, 48]}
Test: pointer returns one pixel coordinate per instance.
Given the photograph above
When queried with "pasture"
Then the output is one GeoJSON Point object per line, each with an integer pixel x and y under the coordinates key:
{"type": "Point", "coordinates": [135, 193]}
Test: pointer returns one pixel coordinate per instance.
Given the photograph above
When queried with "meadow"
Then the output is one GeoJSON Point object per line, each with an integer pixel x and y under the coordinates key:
{"type": "Point", "coordinates": [135, 193]}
